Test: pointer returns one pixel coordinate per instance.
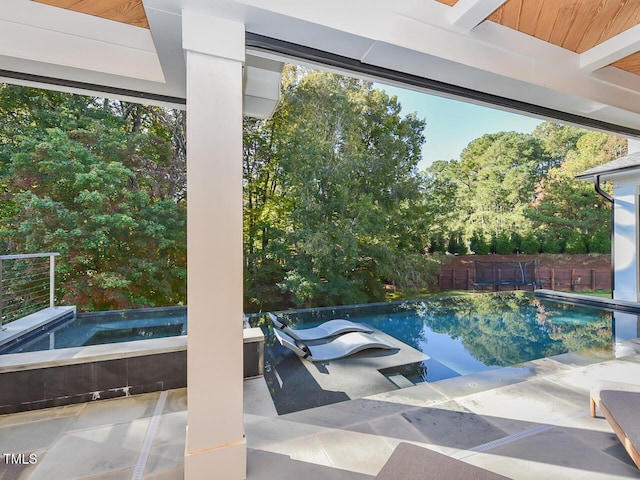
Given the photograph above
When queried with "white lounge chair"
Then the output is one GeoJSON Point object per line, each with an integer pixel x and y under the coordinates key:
{"type": "Point", "coordinates": [336, 348]}
{"type": "Point", "coordinates": [328, 329]}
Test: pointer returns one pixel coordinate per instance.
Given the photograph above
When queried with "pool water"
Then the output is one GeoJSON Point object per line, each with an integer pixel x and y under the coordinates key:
{"type": "Point", "coordinates": [105, 327]}
{"type": "Point", "coordinates": [470, 334]}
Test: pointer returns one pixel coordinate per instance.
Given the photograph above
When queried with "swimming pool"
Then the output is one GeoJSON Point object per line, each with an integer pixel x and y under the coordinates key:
{"type": "Point", "coordinates": [471, 334]}
{"type": "Point", "coordinates": [97, 328]}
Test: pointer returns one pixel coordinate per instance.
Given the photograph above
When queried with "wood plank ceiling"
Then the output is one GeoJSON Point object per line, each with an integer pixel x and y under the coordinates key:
{"type": "Point", "coordinates": [577, 25]}
{"type": "Point", "coordinates": [125, 11]}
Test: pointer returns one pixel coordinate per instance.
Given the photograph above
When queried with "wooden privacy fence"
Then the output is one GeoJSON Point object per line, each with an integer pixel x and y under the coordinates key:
{"type": "Point", "coordinates": [573, 279]}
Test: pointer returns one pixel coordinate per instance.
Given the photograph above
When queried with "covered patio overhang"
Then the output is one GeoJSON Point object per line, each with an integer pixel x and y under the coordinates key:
{"type": "Point", "coordinates": [576, 61]}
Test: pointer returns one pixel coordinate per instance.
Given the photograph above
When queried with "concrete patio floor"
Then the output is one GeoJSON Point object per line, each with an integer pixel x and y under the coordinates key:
{"type": "Point", "coordinates": [524, 423]}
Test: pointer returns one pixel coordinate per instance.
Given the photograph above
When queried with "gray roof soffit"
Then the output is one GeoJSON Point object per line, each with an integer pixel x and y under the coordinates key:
{"type": "Point", "coordinates": [630, 162]}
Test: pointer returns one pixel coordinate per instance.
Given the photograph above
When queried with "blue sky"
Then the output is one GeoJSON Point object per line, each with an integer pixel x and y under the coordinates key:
{"type": "Point", "coordinates": [452, 125]}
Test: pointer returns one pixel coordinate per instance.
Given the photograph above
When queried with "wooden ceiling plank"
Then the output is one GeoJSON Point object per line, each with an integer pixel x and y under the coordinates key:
{"type": "Point", "coordinates": [529, 16]}
{"type": "Point", "coordinates": [627, 16]}
{"type": "Point", "coordinates": [95, 7]}
{"type": "Point", "coordinates": [124, 11]}
{"type": "Point", "coordinates": [497, 15]}
{"type": "Point", "coordinates": [630, 64]}
{"type": "Point", "coordinates": [567, 13]}
{"type": "Point", "coordinates": [586, 10]}
{"type": "Point", "coordinates": [596, 31]}
{"type": "Point", "coordinates": [451, 3]}
{"type": "Point", "coordinates": [508, 14]}
{"type": "Point", "coordinates": [68, 4]}
{"type": "Point", "coordinates": [102, 7]}
{"type": "Point", "coordinates": [547, 20]}
{"type": "Point", "coordinates": [130, 12]}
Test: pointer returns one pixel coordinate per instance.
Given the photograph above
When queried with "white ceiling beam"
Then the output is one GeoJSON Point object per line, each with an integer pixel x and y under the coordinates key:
{"type": "Point", "coordinates": [166, 31]}
{"type": "Point", "coordinates": [612, 50]}
{"type": "Point", "coordinates": [262, 79]}
{"type": "Point", "coordinates": [57, 36]}
{"type": "Point", "coordinates": [468, 14]}
{"type": "Point", "coordinates": [63, 21]}
{"type": "Point", "coordinates": [48, 46]}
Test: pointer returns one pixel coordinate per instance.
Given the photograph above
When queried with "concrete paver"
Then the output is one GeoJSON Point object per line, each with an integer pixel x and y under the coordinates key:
{"type": "Point", "coordinates": [524, 422]}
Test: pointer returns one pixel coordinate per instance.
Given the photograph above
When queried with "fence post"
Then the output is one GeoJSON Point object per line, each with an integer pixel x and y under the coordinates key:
{"type": "Point", "coordinates": [468, 279]}
{"type": "Point", "coordinates": [52, 280]}
{"type": "Point", "coordinates": [573, 279]}
{"type": "Point", "coordinates": [553, 279]}
{"type": "Point", "coordinates": [453, 279]}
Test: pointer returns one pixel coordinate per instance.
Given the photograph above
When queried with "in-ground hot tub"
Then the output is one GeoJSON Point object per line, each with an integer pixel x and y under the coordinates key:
{"type": "Point", "coordinates": [39, 378]}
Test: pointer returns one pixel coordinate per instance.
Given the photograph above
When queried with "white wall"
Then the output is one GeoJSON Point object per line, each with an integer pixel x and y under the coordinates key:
{"type": "Point", "coordinates": [633, 145]}
{"type": "Point", "coordinates": [626, 328]}
{"type": "Point", "coordinates": [626, 237]}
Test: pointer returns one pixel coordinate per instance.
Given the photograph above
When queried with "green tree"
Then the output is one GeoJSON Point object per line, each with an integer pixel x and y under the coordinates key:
{"type": "Point", "coordinates": [576, 243]}
{"type": "Point", "coordinates": [504, 245]}
{"type": "Point", "coordinates": [440, 186]}
{"type": "Point", "coordinates": [332, 193]}
{"type": "Point", "coordinates": [486, 192]}
{"type": "Point", "coordinates": [567, 211]}
{"type": "Point", "coordinates": [557, 141]}
{"type": "Point", "coordinates": [75, 185]}
{"type": "Point", "coordinates": [479, 245]}
{"type": "Point", "coordinates": [600, 242]}
{"type": "Point", "coordinates": [530, 245]}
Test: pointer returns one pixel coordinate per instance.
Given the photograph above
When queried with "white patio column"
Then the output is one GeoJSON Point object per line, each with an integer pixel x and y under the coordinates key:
{"type": "Point", "coordinates": [633, 145]}
{"type": "Point", "coordinates": [625, 236]}
{"type": "Point", "coordinates": [214, 50]}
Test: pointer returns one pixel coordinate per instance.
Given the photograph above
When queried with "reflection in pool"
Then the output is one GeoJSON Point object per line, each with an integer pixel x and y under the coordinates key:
{"type": "Point", "coordinates": [464, 335]}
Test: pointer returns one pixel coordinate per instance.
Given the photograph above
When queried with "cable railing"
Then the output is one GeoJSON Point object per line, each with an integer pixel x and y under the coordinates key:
{"type": "Point", "coordinates": [27, 284]}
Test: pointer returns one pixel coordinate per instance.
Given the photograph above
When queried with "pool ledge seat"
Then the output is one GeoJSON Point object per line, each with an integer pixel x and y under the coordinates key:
{"type": "Point", "coordinates": [330, 328]}
{"type": "Point", "coordinates": [410, 462]}
{"type": "Point", "coordinates": [620, 404]}
{"type": "Point", "coordinates": [338, 347]}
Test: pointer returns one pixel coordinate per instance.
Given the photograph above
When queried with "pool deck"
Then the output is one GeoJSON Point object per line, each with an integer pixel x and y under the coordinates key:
{"type": "Point", "coordinates": [524, 423]}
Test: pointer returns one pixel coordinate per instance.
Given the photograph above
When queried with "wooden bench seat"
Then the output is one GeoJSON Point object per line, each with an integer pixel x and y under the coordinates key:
{"type": "Point", "coordinates": [621, 408]}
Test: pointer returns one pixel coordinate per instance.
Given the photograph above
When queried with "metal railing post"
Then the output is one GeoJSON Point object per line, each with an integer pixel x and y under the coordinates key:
{"type": "Point", "coordinates": [52, 280]}
{"type": "Point", "coordinates": [28, 292]}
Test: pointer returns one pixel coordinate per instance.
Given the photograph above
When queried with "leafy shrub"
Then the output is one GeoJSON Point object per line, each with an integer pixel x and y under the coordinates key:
{"type": "Point", "coordinates": [552, 245]}
{"type": "Point", "coordinates": [437, 245]}
{"type": "Point", "coordinates": [413, 271]}
{"type": "Point", "coordinates": [530, 245]}
{"type": "Point", "coordinates": [576, 244]}
{"type": "Point", "coordinates": [456, 245]}
{"type": "Point", "coordinates": [516, 241]}
{"type": "Point", "coordinates": [479, 245]}
{"type": "Point", "coordinates": [504, 246]}
{"type": "Point", "coordinates": [600, 243]}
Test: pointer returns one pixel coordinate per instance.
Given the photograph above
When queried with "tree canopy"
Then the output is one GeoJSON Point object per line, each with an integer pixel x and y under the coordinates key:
{"type": "Point", "coordinates": [335, 209]}
{"type": "Point", "coordinates": [513, 192]}
{"type": "Point", "coordinates": [332, 192]}
{"type": "Point", "coordinates": [81, 178]}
